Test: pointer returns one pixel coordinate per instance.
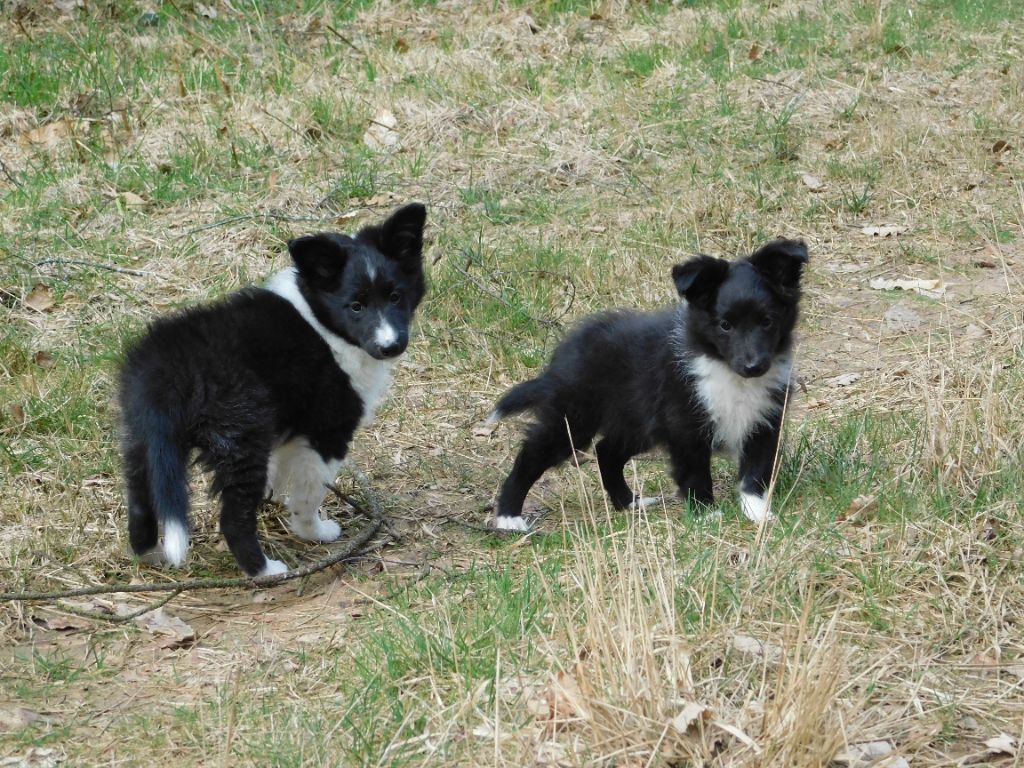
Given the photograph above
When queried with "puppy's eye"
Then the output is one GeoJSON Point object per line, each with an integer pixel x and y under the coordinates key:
{"type": "Point", "coordinates": [725, 325]}
{"type": "Point", "coordinates": [356, 307]}
{"type": "Point", "coordinates": [395, 297]}
{"type": "Point", "coordinates": [767, 323]}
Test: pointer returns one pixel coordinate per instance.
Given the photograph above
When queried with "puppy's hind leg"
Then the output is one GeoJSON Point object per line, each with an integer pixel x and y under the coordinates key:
{"type": "Point", "coordinates": [547, 445]}
{"type": "Point", "coordinates": [143, 527]}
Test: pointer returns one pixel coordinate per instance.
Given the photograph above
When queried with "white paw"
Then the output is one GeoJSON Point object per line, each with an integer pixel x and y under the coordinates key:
{"type": "Point", "coordinates": [645, 502]}
{"type": "Point", "coordinates": [273, 568]}
{"type": "Point", "coordinates": [756, 508]}
{"type": "Point", "coordinates": [315, 529]}
{"type": "Point", "coordinates": [175, 543]}
{"type": "Point", "coordinates": [517, 523]}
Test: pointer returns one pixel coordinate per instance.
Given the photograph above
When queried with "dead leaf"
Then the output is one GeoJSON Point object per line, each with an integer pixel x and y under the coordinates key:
{"type": "Point", "coordinates": [844, 379]}
{"type": "Point", "coordinates": [974, 333]}
{"type": "Point", "coordinates": [49, 135]}
{"type": "Point", "coordinates": [40, 299]}
{"type": "Point", "coordinates": [16, 412]}
{"type": "Point", "coordinates": [692, 714]}
{"type": "Point", "coordinates": [13, 717]}
{"type": "Point", "coordinates": [132, 199]}
{"type": "Point", "coordinates": [887, 230]}
{"type": "Point", "coordinates": [67, 623]}
{"type": "Point", "coordinates": [754, 53]}
{"type": "Point", "coordinates": [861, 505]}
{"type": "Point", "coordinates": [530, 23]}
{"type": "Point", "coordinates": [484, 731]}
{"type": "Point", "coordinates": [901, 319]}
{"type": "Point", "coordinates": [98, 480]}
{"type": "Point", "coordinates": [1003, 744]}
{"type": "Point", "coordinates": [43, 359]}
{"type": "Point", "coordinates": [551, 753]}
{"type": "Point", "coordinates": [877, 754]}
{"type": "Point", "coordinates": [174, 632]}
{"type": "Point", "coordinates": [1001, 146]}
{"type": "Point", "coordinates": [382, 135]}
{"type": "Point", "coordinates": [565, 702]}
{"type": "Point", "coordinates": [484, 430]}
{"type": "Point", "coordinates": [36, 757]}
{"type": "Point", "coordinates": [206, 11]}
{"type": "Point", "coordinates": [755, 647]}
{"type": "Point", "coordinates": [932, 288]}
{"type": "Point", "coordinates": [813, 183]}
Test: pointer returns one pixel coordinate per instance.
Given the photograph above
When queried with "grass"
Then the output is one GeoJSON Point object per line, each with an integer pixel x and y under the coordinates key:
{"type": "Point", "coordinates": [569, 153]}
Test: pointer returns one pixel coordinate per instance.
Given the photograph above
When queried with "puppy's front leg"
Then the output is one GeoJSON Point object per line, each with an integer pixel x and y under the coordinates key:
{"type": "Point", "coordinates": [757, 463]}
{"type": "Point", "coordinates": [308, 474]}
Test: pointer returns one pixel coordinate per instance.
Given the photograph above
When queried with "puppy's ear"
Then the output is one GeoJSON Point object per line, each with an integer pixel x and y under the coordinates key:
{"type": "Point", "coordinates": [781, 262]}
{"type": "Point", "coordinates": [400, 237]}
{"type": "Point", "coordinates": [321, 258]}
{"type": "Point", "coordinates": [697, 280]}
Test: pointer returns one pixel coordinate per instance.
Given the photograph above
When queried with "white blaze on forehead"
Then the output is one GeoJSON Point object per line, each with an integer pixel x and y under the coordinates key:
{"type": "Point", "coordinates": [385, 335]}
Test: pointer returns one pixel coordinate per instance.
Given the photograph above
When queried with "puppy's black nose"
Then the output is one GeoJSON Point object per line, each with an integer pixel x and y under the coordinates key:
{"type": "Point", "coordinates": [393, 350]}
{"type": "Point", "coordinates": [750, 370]}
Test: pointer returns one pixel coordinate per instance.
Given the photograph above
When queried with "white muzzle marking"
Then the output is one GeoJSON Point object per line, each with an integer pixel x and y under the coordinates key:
{"type": "Point", "coordinates": [385, 335]}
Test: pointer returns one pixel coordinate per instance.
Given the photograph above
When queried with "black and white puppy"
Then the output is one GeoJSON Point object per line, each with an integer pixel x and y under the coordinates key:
{"type": "Point", "coordinates": [710, 375]}
{"type": "Point", "coordinates": [267, 388]}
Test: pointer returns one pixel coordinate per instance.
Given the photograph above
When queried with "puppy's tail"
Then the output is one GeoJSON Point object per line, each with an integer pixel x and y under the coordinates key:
{"type": "Point", "coordinates": [158, 488]}
{"type": "Point", "coordinates": [520, 398]}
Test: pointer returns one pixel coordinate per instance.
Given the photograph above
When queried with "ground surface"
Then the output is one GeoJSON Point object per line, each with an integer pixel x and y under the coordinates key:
{"type": "Point", "coordinates": [158, 155]}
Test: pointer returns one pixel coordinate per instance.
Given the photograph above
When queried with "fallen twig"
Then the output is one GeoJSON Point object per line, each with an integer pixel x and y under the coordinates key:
{"type": "Point", "coordinates": [374, 510]}
{"type": "Point", "coordinates": [8, 175]}
{"type": "Point", "coordinates": [93, 264]}
{"type": "Point", "coordinates": [115, 618]}
{"type": "Point", "coordinates": [550, 323]}
{"type": "Point", "coordinates": [266, 216]}
{"type": "Point", "coordinates": [352, 548]}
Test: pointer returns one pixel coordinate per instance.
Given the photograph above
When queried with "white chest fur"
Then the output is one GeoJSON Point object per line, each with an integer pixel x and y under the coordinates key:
{"type": "Point", "coordinates": [736, 405]}
{"type": "Point", "coordinates": [370, 377]}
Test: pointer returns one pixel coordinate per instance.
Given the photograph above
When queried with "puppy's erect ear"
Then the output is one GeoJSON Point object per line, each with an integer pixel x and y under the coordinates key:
{"type": "Point", "coordinates": [781, 262]}
{"type": "Point", "coordinates": [321, 258]}
{"type": "Point", "coordinates": [698, 279]}
{"type": "Point", "coordinates": [400, 237]}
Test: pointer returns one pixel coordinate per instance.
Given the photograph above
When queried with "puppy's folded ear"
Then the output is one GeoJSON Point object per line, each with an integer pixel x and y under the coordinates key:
{"type": "Point", "coordinates": [321, 258]}
{"type": "Point", "coordinates": [781, 262]}
{"type": "Point", "coordinates": [400, 236]}
{"type": "Point", "coordinates": [698, 279]}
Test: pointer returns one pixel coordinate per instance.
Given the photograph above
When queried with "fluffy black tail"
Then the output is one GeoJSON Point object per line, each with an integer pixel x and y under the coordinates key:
{"type": "Point", "coordinates": [520, 398]}
{"type": "Point", "coordinates": [157, 473]}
